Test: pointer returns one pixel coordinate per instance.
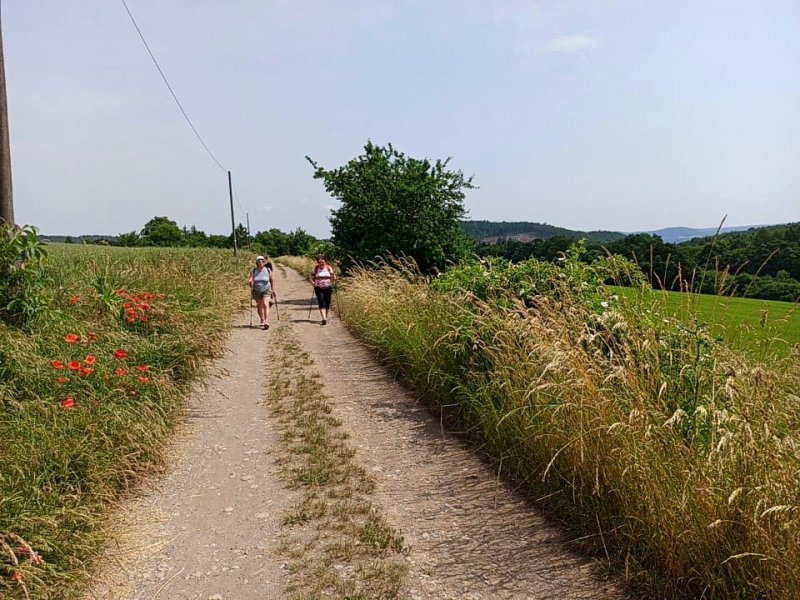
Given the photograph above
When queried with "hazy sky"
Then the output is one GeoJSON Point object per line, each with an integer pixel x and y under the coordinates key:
{"type": "Point", "coordinates": [596, 114]}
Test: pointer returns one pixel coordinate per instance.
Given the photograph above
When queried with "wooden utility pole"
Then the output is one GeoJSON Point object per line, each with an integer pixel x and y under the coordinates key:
{"type": "Point", "coordinates": [6, 195]}
{"type": "Point", "coordinates": [233, 224]}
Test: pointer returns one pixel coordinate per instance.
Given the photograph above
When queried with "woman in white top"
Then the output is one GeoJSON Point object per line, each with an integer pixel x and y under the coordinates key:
{"type": "Point", "coordinates": [322, 278]}
{"type": "Point", "coordinates": [262, 284]}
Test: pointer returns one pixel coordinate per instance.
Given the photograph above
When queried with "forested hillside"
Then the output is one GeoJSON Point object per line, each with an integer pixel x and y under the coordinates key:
{"type": "Point", "coordinates": [759, 263]}
{"type": "Point", "coordinates": [494, 231]}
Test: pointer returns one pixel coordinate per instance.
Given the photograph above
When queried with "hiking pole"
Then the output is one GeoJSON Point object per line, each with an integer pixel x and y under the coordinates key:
{"type": "Point", "coordinates": [277, 310]}
{"type": "Point", "coordinates": [310, 306]}
{"type": "Point", "coordinates": [250, 302]}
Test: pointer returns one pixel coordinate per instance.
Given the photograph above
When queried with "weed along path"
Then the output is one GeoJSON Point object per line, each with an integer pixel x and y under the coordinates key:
{"type": "Point", "coordinates": [305, 471]}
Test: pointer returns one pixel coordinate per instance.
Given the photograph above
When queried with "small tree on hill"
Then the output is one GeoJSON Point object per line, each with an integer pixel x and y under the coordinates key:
{"type": "Point", "coordinates": [394, 204]}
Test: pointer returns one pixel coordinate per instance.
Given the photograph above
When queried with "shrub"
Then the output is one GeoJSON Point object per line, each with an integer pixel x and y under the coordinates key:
{"type": "Point", "coordinates": [21, 289]}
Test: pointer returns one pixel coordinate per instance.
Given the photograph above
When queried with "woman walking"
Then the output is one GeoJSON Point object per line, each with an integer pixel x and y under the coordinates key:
{"type": "Point", "coordinates": [262, 284]}
{"type": "Point", "coordinates": [322, 279]}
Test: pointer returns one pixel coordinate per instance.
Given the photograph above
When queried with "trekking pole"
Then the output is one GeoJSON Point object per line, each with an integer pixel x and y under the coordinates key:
{"type": "Point", "coordinates": [310, 306]}
{"type": "Point", "coordinates": [250, 302]}
{"type": "Point", "coordinates": [338, 310]}
{"type": "Point", "coordinates": [277, 310]}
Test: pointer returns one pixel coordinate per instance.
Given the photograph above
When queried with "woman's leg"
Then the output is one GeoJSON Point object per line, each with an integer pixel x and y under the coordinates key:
{"type": "Point", "coordinates": [328, 294]}
{"type": "Point", "coordinates": [266, 308]}
{"type": "Point", "coordinates": [262, 312]}
{"type": "Point", "coordinates": [320, 293]}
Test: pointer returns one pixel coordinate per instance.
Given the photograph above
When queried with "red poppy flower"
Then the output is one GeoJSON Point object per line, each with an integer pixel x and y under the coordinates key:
{"type": "Point", "coordinates": [121, 292]}
{"type": "Point", "coordinates": [90, 360]}
{"type": "Point", "coordinates": [131, 319]}
{"type": "Point", "coordinates": [121, 372]}
{"type": "Point", "coordinates": [127, 306]}
{"type": "Point", "coordinates": [92, 336]}
{"type": "Point", "coordinates": [68, 402]}
{"type": "Point", "coordinates": [74, 300]}
{"type": "Point", "coordinates": [86, 371]}
{"type": "Point", "coordinates": [143, 319]}
{"type": "Point", "coordinates": [120, 354]}
{"type": "Point", "coordinates": [144, 379]}
{"type": "Point", "coordinates": [74, 365]}
{"type": "Point", "coordinates": [148, 296]}
{"type": "Point", "coordinates": [71, 338]}
{"type": "Point", "coordinates": [142, 368]}
{"type": "Point", "coordinates": [144, 306]}
{"type": "Point", "coordinates": [135, 299]}
{"type": "Point", "coordinates": [16, 576]}
{"type": "Point", "coordinates": [57, 364]}
{"type": "Point", "coordinates": [63, 380]}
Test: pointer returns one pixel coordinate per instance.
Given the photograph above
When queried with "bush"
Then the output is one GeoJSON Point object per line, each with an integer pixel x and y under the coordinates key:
{"type": "Point", "coordinates": [21, 289]}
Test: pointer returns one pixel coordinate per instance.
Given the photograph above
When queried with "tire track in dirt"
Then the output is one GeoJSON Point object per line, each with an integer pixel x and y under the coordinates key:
{"type": "Point", "coordinates": [208, 529]}
{"type": "Point", "coordinates": [469, 536]}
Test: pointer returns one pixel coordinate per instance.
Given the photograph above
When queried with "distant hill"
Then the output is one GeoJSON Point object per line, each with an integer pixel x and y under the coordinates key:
{"type": "Point", "coordinates": [676, 235]}
{"type": "Point", "coordinates": [491, 232]}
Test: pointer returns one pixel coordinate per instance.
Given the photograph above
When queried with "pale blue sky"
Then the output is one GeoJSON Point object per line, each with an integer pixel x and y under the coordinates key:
{"type": "Point", "coordinates": [596, 114]}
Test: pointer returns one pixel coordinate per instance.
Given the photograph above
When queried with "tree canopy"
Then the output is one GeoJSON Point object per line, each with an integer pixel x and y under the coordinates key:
{"type": "Point", "coordinates": [398, 205]}
{"type": "Point", "coordinates": [161, 231]}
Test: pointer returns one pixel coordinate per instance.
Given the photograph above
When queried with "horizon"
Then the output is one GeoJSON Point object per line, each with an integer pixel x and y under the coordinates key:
{"type": "Point", "coordinates": [723, 228]}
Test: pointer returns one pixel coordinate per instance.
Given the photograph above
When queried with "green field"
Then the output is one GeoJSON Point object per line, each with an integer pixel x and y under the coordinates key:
{"type": "Point", "coordinates": [761, 328]}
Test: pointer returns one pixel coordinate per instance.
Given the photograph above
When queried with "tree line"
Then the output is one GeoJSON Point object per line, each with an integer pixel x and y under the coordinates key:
{"type": "Point", "coordinates": [758, 263]}
{"type": "Point", "coordinates": [162, 231]}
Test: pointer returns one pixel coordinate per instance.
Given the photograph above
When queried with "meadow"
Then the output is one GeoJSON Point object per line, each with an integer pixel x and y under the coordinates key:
{"type": "Point", "coordinates": [90, 391]}
{"type": "Point", "coordinates": [668, 453]}
{"type": "Point", "coordinates": [760, 328]}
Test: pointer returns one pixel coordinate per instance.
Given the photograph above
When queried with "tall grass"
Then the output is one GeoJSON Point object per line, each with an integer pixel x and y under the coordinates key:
{"type": "Point", "coordinates": [666, 453]}
{"type": "Point", "coordinates": [62, 466]}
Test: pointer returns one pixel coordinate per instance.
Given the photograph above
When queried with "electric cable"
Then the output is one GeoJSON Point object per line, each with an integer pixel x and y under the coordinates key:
{"type": "Point", "coordinates": [169, 87]}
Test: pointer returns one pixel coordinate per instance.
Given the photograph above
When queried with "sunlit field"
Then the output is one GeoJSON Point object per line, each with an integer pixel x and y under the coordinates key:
{"type": "Point", "coordinates": [758, 327]}
{"type": "Point", "coordinates": [89, 392]}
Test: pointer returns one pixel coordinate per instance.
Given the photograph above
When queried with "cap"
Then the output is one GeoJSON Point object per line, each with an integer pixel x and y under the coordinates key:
{"type": "Point", "coordinates": [258, 258]}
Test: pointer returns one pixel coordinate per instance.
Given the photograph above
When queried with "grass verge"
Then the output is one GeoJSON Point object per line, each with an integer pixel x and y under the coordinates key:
{"type": "Point", "coordinates": [90, 392]}
{"type": "Point", "coordinates": [337, 543]}
{"type": "Point", "coordinates": [664, 451]}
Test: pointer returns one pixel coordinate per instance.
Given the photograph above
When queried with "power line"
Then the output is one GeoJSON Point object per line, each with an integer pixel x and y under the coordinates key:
{"type": "Point", "coordinates": [169, 87]}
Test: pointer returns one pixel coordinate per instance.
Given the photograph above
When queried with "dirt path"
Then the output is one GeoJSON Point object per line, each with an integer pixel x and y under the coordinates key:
{"type": "Point", "coordinates": [207, 530]}
{"type": "Point", "coordinates": [211, 530]}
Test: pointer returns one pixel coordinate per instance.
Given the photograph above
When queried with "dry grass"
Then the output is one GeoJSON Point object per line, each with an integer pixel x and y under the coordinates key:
{"type": "Point", "coordinates": [665, 452]}
{"type": "Point", "coordinates": [338, 544]}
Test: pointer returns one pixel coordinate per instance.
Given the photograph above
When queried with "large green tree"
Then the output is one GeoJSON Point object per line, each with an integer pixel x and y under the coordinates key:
{"type": "Point", "coordinates": [394, 204]}
{"type": "Point", "coordinates": [161, 231]}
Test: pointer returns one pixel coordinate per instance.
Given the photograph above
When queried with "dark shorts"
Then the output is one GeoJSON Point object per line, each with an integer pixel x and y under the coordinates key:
{"type": "Point", "coordinates": [259, 295]}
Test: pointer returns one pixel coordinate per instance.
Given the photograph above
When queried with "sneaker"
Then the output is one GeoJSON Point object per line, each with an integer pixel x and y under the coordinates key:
{"type": "Point", "coordinates": [265, 326]}
{"type": "Point", "coordinates": [324, 321]}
